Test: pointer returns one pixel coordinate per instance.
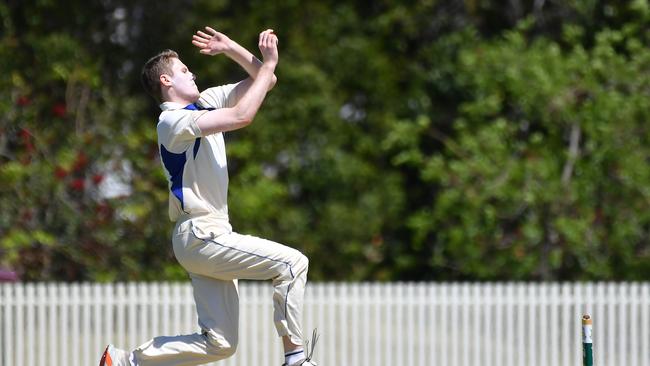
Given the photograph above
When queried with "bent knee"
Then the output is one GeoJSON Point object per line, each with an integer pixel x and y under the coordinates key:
{"type": "Point", "coordinates": [302, 262]}
{"type": "Point", "coordinates": [219, 347]}
{"type": "Point", "coordinates": [225, 352]}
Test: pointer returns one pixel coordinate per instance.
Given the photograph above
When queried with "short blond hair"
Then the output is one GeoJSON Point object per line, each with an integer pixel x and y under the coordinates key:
{"type": "Point", "coordinates": [152, 69]}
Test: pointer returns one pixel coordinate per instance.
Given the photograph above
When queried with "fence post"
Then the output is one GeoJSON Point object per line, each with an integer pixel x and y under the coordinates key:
{"type": "Point", "coordinates": [587, 351]}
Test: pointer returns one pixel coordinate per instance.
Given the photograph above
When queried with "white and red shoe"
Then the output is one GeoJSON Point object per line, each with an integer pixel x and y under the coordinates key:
{"type": "Point", "coordinates": [114, 356]}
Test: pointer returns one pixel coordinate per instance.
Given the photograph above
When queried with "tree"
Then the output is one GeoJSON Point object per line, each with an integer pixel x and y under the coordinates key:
{"type": "Point", "coordinates": [404, 141]}
{"type": "Point", "coordinates": [542, 172]}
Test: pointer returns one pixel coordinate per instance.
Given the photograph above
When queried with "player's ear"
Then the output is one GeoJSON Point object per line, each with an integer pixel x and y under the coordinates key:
{"type": "Point", "coordinates": [166, 80]}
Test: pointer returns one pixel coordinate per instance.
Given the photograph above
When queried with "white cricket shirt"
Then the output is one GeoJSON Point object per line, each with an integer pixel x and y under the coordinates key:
{"type": "Point", "coordinates": [195, 164]}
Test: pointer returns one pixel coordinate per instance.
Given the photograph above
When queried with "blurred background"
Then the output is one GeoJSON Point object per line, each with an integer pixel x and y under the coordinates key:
{"type": "Point", "coordinates": [405, 140]}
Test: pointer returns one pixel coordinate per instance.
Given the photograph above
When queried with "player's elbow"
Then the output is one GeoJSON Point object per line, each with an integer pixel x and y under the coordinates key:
{"type": "Point", "coordinates": [244, 121]}
{"type": "Point", "coordinates": [243, 117]}
{"type": "Point", "coordinates": [274, 80]}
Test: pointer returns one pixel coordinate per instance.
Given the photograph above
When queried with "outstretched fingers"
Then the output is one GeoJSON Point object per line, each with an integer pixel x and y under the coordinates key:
{"type": "Point", "coordinates": [204, 35]}
{"type": "Point", "coordinates": [200, 41]}
{"type": "Point", "coordinates": [210, 30]}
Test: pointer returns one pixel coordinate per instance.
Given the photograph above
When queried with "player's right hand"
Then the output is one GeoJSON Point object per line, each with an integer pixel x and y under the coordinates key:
{"type": "Point", "coordinates": [211, 43]}
{"type": "Point", "coordinates": [268, 44]}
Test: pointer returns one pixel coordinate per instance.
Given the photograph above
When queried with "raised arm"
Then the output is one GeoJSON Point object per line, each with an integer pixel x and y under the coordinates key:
{"type": "Point", "coordinates": [214, 43]}
{"type": "Point", "coordinates": [242, 114]}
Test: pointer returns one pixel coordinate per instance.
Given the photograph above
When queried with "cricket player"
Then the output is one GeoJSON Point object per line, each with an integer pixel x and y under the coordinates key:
{"type": "Point", "coordinates": [190, 137]}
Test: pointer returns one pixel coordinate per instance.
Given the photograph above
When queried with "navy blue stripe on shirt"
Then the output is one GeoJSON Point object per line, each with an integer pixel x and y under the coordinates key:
{"type": "Point", "coordinates": [197, 144]}
{"type": "Point", "coordinates": [175, 164]}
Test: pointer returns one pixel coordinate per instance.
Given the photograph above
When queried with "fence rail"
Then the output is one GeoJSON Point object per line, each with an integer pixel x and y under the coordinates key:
{"type": "Point", "coordinates": [446, 324]}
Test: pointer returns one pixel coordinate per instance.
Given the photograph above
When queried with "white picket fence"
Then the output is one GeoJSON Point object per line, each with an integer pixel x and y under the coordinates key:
{"type": "Point", "coordinates": [446, 324]}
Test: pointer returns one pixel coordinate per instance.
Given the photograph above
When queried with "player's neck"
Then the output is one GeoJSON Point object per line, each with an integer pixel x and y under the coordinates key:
{"type": "Point", "coordinates": [170, 96]}
{"type": "Point", "coordinates": [181, 102]}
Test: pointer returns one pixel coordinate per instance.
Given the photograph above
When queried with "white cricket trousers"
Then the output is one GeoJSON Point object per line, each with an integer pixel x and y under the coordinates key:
{"type": "Point", "coordinates": [215, 261]}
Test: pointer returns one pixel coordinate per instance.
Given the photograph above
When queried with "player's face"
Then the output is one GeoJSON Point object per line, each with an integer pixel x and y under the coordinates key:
{"type": "Point", "coordinates": [183, 81]}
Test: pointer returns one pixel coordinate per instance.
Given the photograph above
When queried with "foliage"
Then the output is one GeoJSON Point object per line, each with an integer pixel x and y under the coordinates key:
{"type": "Point", "coordinates": [542, 173]}
{"type": "Point", "coordinates": [425, 140]}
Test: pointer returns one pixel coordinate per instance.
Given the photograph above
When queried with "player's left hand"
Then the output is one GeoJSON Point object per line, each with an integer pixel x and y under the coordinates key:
{"type": "Point", "coordinates": [211, 43]}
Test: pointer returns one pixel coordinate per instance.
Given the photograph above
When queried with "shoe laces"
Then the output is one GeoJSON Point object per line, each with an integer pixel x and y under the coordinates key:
{"type": "Point", "coordinates": [310, 352]}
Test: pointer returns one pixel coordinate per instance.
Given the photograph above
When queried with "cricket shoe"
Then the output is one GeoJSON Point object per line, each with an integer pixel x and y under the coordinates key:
{"type": "Point", "coordinates": [113, 356]}
{"type": "Point", "coordinates": [307, 361]}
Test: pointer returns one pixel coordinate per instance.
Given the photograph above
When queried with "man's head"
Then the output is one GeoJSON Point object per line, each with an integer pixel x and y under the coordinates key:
{"type": "Point", "coordinates": [167, 79]}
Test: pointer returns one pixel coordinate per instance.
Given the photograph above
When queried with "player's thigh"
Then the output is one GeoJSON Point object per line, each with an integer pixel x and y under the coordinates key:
{"type": "Point", "coordinates": [254, 258]}
{"type": "Point", "coordinates": [235, 256]}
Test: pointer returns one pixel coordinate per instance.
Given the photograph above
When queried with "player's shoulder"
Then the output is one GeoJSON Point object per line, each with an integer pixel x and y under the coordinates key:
{"type": "Point", "coordinates": [172, 115]}
{"type": "Point", "coordinates": [171, 121]}
{"type": "Point", "coordinates": [217, 96]}
{"type": "Point", "coordinates": [218, 88]}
